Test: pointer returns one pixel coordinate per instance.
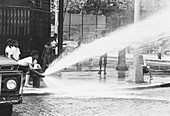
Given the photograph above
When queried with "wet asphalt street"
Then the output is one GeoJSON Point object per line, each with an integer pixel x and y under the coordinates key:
{"type": "Point", "coordinates": [143, 103]}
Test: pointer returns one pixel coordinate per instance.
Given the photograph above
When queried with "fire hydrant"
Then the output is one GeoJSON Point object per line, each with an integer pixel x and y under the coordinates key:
{"type": "Point", "coordinates": [36, 78]}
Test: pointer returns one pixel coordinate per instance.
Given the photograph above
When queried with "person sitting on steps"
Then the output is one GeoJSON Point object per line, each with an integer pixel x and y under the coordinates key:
{"type": "Point", "coordinates": [103, 57]}
{"type": "Point", "coordinates": [145, 67]}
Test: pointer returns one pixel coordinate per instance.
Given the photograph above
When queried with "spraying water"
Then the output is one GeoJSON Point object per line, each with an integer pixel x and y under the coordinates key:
{"type": "Point", "coordinates": [149, 30]}
{"type": "Point", "coordinates": [146, 31]}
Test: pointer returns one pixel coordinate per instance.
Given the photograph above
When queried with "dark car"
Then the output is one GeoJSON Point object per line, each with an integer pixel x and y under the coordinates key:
{"type": "Point", "coordinates": [11, 87]}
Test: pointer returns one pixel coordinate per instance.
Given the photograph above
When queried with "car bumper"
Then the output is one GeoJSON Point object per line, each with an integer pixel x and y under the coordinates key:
{"type": "Point", "coordinates": [10, 99]}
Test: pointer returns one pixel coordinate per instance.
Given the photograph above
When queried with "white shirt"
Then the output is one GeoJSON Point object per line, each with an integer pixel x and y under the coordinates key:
{"type": "Point", "coordinates": [16, 52]}
{"type": "Point", "coordinates": [9, 50]}
{"type": "Point", "coordinates": [25, 61]}
{"type": "Point", "coordinates": [56, 51]}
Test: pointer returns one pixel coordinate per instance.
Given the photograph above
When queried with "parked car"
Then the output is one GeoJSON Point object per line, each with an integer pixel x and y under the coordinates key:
{"type": "Point", "coordinates": [11, 87]}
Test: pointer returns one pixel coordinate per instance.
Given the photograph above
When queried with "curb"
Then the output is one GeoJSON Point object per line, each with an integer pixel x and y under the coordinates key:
{"type": "Point", "coordinates": [36, 94]}
{"type": "Point", "coordinates": [150, 86]}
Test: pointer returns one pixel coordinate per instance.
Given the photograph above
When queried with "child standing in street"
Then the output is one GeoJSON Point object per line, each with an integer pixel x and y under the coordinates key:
{"type": "Point", "coordinates": [54, 46]}
{"type": "Point", "coordinates": [104, 58]}
{"type": "Point", "coordinates": [160, 52]}
{"type": "Point", "coordinates": [79, 65]}
{"type": "Point", "coordinates": [47, 55]}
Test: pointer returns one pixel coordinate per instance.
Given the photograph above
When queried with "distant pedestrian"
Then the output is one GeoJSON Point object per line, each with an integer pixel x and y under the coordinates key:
{"type": "Point", "coordinates": [54, 44]}
{"type": "Point", "coordinates": [103, 61]}
{"type": "Point", "coordinates": [159, 52]}
{"type": "Point", "coordinates": [8, 49]}
{"type": "Point", "coordinates": [91, 62]}
{"type": "Point", "coordinates": [103, 58]}
{"type": "Point", "coordinates": [79, 64]}
{"type": "Point", "coordinates": [16, 50]}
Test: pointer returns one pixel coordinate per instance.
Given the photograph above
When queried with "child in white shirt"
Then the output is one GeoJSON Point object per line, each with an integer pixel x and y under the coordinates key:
{"type": "Point", "coordinates": [26, 65]}
{"type": "Point", "coordinates": [16, 50]}
{"type": "Point", "coordinates": [8, 49]}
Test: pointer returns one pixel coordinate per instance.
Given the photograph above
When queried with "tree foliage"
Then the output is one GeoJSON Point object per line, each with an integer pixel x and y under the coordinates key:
{"type": "Point", "coordinates": [74, 7]}
{"type": "Point", "coordinates": [99, 7]}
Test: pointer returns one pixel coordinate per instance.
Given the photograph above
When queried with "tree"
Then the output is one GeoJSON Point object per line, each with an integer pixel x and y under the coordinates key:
{"type": "Point", "coordinates": [74, 8]}
{"type": "Point", "coordinates": [104, 7]}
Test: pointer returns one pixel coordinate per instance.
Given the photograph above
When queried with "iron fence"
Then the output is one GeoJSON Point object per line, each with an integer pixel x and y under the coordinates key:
{"type": "Point", "coordinates": [89, 27]}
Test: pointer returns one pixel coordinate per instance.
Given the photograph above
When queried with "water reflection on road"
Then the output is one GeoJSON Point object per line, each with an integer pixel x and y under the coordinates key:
{"type": "Point", "coordinates": [87, 84]}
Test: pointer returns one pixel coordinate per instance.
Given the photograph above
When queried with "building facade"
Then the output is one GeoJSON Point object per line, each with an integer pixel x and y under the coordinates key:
{"type": "Point", "coordinates": [27, 21]}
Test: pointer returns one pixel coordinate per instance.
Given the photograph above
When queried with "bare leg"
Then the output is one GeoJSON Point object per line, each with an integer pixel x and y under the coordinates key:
{"type": "Point", "coordinates": [105, 64]}
{"type": "Point", "coordinates": [104, 69]}
{"type": "Point", "coordinates": [100, 66]}
{"type": "Point", "coordinates": [27, 80]}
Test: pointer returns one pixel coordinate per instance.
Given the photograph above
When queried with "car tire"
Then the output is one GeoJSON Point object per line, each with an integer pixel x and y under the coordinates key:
{"type": "Point", "coordinates": [6, 110]}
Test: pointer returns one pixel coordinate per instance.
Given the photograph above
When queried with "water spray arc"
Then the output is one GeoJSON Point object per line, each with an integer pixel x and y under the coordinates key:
{"type": "Point", "coordinates": [146, 31]}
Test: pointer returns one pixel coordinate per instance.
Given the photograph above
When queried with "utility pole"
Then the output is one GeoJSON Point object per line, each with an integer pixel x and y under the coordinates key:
{"type": "Point", "coordinates": [137, 11]}
{"type": "Point", "coordinates": [56, 16]}
{"type": "Point", "coordinates": [121, 65]}
{"type": "Point", "coordinates": [60, 27]}
{"type": "Point", "coordinates": [138, 70]}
